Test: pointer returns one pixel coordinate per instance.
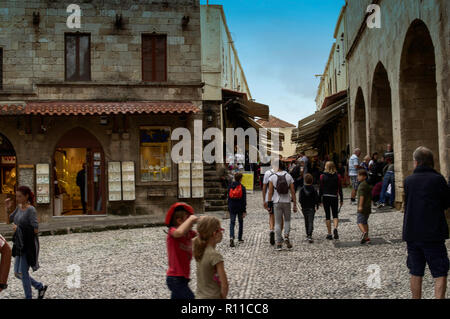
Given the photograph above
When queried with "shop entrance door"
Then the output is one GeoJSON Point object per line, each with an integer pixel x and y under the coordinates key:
{"type": "Point", "coordinates": [79, 175]}
{"type": "Point", "coordinates": [96, 180]}
{"type": "Point", "coordinates": [7, 175]}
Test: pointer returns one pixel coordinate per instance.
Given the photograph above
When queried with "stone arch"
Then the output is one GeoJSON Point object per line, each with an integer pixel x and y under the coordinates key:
{"type": "Point", "coordinates": [360, 122]}
{"type": "Point", "coordinates": [418, 95]}
{"type": "Point", "coordinates": [381, 132]}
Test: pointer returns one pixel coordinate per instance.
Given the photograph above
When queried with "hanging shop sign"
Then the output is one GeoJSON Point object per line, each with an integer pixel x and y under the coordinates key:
{"type": "Point", "coordinates": [42, 183]}
{"type": "Point", "coordinates": [114, 181]}
{"type": "Point", "coordinates": [184, 180]}
{"type": "Point", "coordinates": [248, 181]}
{"type": "Point", "coordinates": [8, 160]}
{"type": "Point", "coordinates": [128, 181]}
{"type": "Point", "coordinates": [26, 176]}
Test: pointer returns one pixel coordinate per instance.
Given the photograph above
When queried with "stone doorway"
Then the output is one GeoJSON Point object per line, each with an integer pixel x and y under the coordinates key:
{"type": "Point", "coordinates": [360, 123]}
{"type": "Point", "coordinates": [79, 175]}
{"type": "Point", "coordinates": [8, 175]}
{"type": "Point", "coordinates": [381, 132]}
{"type": "Point", "coordinates": [418, 95]}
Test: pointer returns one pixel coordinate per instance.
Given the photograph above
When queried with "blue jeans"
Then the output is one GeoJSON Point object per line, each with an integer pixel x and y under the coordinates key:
{"type": "Point", "coordinates": [179, 286]}
{"type": "Point", "coordinates": [388, 179]}
{"type": "Point", "coordinates": [240, 217]}
{"type": "Point", "coordinates": [21, 269]}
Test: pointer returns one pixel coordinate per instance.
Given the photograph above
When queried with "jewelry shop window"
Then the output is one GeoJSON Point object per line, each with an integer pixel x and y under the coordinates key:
{"type": "Point", "coordinates": [155, 161]}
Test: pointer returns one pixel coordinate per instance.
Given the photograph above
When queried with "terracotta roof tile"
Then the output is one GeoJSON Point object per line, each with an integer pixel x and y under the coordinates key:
{"type": "Point", "coordinates": [274, 122]}
{"type": "Point", "coordinates": [95, 108]}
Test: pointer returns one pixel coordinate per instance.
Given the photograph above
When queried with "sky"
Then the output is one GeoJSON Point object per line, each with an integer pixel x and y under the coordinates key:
{"type": "Point", "coordinates": [282, 44]}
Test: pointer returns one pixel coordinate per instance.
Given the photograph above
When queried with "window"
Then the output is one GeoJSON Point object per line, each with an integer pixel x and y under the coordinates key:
{"type": "Point", "coordinates": [78, 57]}
{"type": "Point", "coordinates": [1, 68]}
{"type": "Point", "coordinates": [156, 163]}
{"type": "Point", "coordinates": [154, 58]}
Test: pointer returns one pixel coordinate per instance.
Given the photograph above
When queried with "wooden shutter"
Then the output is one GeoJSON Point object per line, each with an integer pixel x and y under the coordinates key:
{"type": "Point", "coordinates": [154, 58]}
{"type": "Point", "coordinates": [78, 57]}
{"type": "Point", "coordinates": [1, 68]}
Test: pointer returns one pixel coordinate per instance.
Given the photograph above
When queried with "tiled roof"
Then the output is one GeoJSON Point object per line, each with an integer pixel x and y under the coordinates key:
{"type": "Point", "coordinates": [274, 122]}
{"type": "Point", "coordinates": [95, 108]}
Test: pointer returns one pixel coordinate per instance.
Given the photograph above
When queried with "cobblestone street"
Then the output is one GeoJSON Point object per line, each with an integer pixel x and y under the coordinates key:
{"type": "Point", "coordinates": [132, 263]}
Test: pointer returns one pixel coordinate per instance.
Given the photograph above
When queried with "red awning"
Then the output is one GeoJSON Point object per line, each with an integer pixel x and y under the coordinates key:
{"type": "Point", "coordinates": [95, 108]}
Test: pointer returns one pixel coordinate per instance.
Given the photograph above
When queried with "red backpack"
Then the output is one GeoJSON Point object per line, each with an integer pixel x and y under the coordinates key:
{"type": "Point", "coordinates": [236, 193]}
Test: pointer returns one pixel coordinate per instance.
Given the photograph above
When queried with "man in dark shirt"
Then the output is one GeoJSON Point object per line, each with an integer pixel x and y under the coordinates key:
{"type": "Point", "coordinates": [81, 183]}
{"type": "Point", "coordinates": [425, 228]}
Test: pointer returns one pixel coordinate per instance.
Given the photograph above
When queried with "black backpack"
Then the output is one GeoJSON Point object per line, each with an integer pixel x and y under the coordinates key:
{"type": "Point", "coordinates": [282, 184]}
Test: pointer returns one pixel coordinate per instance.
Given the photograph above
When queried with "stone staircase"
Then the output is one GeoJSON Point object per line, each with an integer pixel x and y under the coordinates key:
{"type": "Point", "coordinates": [215, 193]}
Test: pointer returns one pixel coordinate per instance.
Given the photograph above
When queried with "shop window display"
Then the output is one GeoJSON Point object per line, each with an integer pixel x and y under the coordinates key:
{"type": "Point", "coordinates": [155, 161]}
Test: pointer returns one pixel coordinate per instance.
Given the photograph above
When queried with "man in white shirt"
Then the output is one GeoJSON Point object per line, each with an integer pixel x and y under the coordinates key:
{"type": "Point", "coordinates": [265, 194]}
{"type": "Point", "coordinates": [353, 167]}
{"type": "Point", "coordinates": [279, 201]}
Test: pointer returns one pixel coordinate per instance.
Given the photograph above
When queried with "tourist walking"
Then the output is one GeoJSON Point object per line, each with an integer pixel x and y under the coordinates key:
{"type": "Point", "coordinates": [364, 195]}
{"type": "Point", "coordinates": [353, 167]}
{"type": "Point", "coordinates": [265, 195]}
{"type": "Point", "coordinates": [309, 201]}
{"type": "Point", "coordinates": [330, 188]}
{"type": "Point", "coordinates": [26, 243]}
{"type": "Point", "coordinates": [425, 228]}
{"type": "Point", "coordinates": [237, 206]}
{"type": "Point", "coordinates": [180, 219]}
{"type": "Point", "coordinates": [82, 185]}
{"type": "Point", "coordinates": [212, 282]}
{"type": "Point", "coordinates": [279, 201]}
{"type": "Point", "coordinates": [5, 262]}
{"type": "Point", "coordinates": [366, 163]}
{"type": "Point", "coordinates": [388, 188]}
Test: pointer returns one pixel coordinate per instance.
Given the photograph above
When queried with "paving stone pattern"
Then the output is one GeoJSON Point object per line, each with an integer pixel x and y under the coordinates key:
{"type": "Point", "coordinates": [132, 263]}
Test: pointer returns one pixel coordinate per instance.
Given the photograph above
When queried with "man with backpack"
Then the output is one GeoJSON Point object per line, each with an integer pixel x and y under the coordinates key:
{"type": "Point", "coordinates": [280, 185]}
{"type": "Point", "coordinates": [265, 195]}
{"type": "Point", "coordinates": [237, 206]}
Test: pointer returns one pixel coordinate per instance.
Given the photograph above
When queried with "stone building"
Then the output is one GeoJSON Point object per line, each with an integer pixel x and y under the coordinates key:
{"type": "Point", "coordinates": [227, 100]}
{"type": "Point", "coordinates": [287, 147]}
{"type": "Point", "coordinates": [399, 80]}
{"type": "Point", "coordinates": [108, 95]}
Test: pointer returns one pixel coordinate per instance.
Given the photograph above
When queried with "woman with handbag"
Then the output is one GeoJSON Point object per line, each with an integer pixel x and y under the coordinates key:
{"type": "Point", "coordinates": [25, 239]}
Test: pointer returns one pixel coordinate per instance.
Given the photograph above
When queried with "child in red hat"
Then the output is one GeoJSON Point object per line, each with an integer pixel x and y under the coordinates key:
{"type": "Point", "coordinates": [180, 219]}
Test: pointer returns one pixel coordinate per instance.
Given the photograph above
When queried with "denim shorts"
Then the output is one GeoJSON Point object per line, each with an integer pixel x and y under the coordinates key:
{"type": "Point", "coordinates": [432, 253]}
{"type": "Point", "coordinates": [355, 182]}
{"type": "Point", "coordinates": [362, 219]}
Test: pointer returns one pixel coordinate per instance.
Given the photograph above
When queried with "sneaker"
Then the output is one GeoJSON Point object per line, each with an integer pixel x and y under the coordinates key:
{"type": "Point", "coordinates": [240, 241]}
{"type": "Point", "coordinates": [232, 243]}
{"type": "Point", "coordinates": [363, 238]}
{"type": "Point", "coordinates": [279, 247]}
{"type": "Point", "coordinates": [288, 243]}
{"type": "Point", "coordinates": [41, 292]}
{"type": "Point", "coordinates": [367, 241]}
{"type": "Point", "coordinates": [336, 234]}
{"type": "Point", "coordinates": [381, 205]}
{"type": "Point", "coordinates": [329, 237]}
{"type": "Point", "coordinates": [310, 240]}
{"type": "Point", "coordinates": [353, 202]}
{"type": "Point", "coordinates": [272, 238]}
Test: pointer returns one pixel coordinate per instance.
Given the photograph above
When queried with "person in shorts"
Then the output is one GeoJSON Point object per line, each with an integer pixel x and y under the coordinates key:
{"type": "Point", "coordinates": [425, 228]}
{"type": "Point", "coordinates": [353, 167]}
{"type": "Point", "coordinates": [364, 196]}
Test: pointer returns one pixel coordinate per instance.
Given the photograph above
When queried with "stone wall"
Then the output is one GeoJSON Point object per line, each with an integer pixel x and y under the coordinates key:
{"type": "Point", "coordinates": [386, 45]}
{"type": "Point", "coordinates": [117, 146]}
{"type": "Point", "coordinates": [35, 54]}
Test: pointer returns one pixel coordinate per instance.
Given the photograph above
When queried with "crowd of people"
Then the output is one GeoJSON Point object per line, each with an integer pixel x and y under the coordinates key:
{"type": "Point", "coordinates": [425, 228]}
